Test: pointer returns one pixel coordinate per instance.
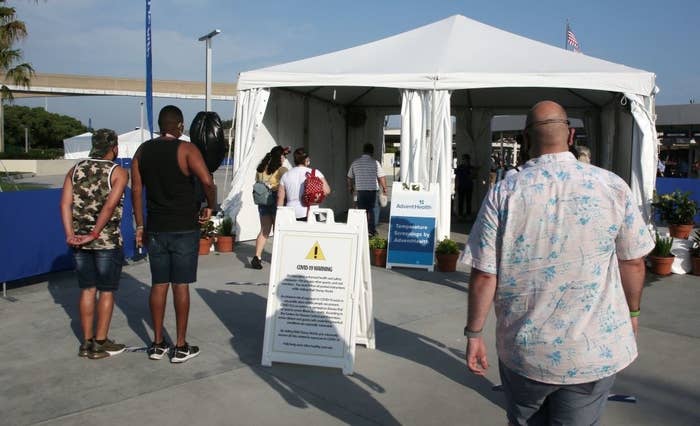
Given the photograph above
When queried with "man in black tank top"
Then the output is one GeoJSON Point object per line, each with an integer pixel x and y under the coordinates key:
{"type": "Point", "coordinates": [165, 167]}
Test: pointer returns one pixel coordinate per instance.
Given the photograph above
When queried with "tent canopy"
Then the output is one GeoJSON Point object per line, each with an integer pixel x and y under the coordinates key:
{"type": "Point", "coordinates": [456, 66]}
{"type": "Point", "coordinates": [454, 53]}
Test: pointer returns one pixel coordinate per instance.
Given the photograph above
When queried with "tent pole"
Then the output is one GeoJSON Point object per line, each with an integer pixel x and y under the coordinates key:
{"type": "Point", "coordinates": [4, 289]}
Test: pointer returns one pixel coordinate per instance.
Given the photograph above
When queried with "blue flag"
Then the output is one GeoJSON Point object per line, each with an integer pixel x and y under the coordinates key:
{"type": "Point", "coordinates": [149, 70]}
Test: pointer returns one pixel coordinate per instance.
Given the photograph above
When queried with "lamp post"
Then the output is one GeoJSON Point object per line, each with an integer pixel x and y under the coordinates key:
{"type": "Point", "coordinates": [207, 96]}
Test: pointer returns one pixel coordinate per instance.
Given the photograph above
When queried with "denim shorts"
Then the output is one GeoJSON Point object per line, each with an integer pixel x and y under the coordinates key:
{"type": "Point", "coordinates": [267, 210]}
{"type": "Point", "coordinates": [98, 268]}
{"type": "Point", "coordinates": [535, 403]}
{"type": "Point", "coordinates": [173, 256]}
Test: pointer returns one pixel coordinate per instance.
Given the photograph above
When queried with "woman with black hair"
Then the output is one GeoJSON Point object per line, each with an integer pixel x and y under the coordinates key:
{"type": "Point", "coordinates": [269, 172]}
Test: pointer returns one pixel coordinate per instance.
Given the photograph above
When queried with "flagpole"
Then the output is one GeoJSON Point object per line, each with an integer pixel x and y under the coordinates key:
{"type": "Point", "coordinates": [566, 33]}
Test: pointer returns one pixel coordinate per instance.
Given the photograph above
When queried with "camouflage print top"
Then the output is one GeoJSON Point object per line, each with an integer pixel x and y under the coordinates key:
{"type": "Point", "coordinates": [91, 187]}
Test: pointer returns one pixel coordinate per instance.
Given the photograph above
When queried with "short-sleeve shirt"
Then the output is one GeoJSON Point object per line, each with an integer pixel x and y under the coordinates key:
{"type": "Point", "coordinates": [553, 234]}
{"type": "Point", "coordinates": [272, 180]}
{"type": "Point", "coordinates": [293, 182]}
{"type": "Point", "coordinates": [365, 171]}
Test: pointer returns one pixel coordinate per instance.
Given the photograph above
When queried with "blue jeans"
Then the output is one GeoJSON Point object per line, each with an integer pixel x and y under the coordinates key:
{"type": "Point", "coordinates": [366, 200]}
{"type": "Point", "coordinates": [98, 268]}
{"type": "Point", "coordinates": [173, 256]}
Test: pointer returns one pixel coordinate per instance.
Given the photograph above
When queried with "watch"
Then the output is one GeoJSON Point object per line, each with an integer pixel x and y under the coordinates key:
{"type": "Point", "coordinates": [472, 334]}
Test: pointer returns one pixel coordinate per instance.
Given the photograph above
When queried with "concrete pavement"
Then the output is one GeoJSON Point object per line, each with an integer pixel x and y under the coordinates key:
{"type": "Point", "coordinates": [416, 376]}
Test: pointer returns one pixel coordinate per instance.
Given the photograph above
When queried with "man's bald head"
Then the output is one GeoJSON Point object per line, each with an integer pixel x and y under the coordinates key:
{"type": "Point", "coordinates": [170, 120]}
{"type": "Point", "coordinates": [547, 128]}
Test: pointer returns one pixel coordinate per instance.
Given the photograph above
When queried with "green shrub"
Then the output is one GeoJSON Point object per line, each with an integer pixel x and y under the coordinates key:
{"type": "Point", "coordinates": [676, 208]}
{"type": "Point", "coordinates": [447, 246]}
{"type": "Point", "coordinates": [663, 246]}
{"type": "Point", "coordinates": [33, 154]}
{"type": "Point", "coordinates": [206, 229]}
{"type": "Point", "coordinates": [225, 228]}
{"type": "Point", "coordinates": [377, 242]}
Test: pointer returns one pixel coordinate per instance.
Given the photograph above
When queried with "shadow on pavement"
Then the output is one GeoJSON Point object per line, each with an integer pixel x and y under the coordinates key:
{"type": "Point", "coordinates": [244, 316]}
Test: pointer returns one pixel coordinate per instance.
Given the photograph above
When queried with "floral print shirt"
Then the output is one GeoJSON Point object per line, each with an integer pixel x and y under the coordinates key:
{"type": "Point", "coordinates": [553, 234]}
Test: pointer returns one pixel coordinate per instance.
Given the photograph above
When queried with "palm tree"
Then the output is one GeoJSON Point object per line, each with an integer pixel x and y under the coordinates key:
{"type": "Point", "coordinates": [11, 31]}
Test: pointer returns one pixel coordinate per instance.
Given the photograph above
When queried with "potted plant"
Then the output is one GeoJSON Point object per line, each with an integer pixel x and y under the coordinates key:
{"type": "Point", "coordinates": [446, 254]}
{"type": "Point", "coordinates": [678, 211]}
{"type": "Point", "coordinates": [377, 249]}
{"type": "Point", "coordinates": [206, 231]}
{"type": "Point", "coordinates": [224, 236]}
{"type": "Point", "coordinates": [661, 257]}
{"type": "Point", "coordinates": [695, 252]}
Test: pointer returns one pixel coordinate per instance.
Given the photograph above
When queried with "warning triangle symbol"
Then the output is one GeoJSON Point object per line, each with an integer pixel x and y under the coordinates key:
{"type": "Point", "coordinates": [316, 253]}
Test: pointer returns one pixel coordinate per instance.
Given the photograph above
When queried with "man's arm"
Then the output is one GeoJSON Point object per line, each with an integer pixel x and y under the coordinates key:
{"type": "Point", "coordinates": [632, 275]}
{"type": "Point", "coordinates": [137, 196]}
{"type": "Point", "coordinates": [351, 186]}
{"type": "Point", "coordinates": [482, 289]}
{"type": "Point", "coordinates": [197, 166]}
{"type": "Point", "coordinates": [67, 206]}
{"type": "Point", "coordinates": [382, 183]}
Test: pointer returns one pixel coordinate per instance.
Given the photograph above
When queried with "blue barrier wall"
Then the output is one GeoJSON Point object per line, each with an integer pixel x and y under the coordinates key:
{"type": "Point", "coordinates": [32, 241]}
{"type": "Point", "coordinates": [668, 185]}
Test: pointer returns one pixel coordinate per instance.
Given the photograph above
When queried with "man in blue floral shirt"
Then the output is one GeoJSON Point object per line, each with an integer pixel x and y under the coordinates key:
{"type": "Point", "coordinates": [558, 248]}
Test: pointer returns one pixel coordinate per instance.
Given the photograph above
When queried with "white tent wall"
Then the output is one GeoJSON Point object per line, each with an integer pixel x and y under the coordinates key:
{"type": "Point", "coordinates": [250, 109]}
{"type": "Point", "coordinates": [644, 154]}
{"type": "Point", "coordinates": [327, 142]}
{"type": "Point", "coordinates": [77, 147]}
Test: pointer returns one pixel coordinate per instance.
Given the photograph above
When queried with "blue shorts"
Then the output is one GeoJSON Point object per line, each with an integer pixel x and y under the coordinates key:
{"type": "Point", "coordinates": [173, 256]}
{"type": "Point", "coordinates": [267, 210]}
{"type": "Point", "coordinates": [98, 268]}
{"type": "Point", "coordinates": [535, 403]}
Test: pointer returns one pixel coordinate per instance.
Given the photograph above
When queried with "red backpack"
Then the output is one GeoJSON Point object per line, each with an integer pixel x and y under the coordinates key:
{"type": "Point", "coordinates": [313, 190]}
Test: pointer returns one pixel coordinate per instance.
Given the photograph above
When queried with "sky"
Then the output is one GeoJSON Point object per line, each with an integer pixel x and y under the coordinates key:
{"type": "Point", "coordinates": [106, 38]}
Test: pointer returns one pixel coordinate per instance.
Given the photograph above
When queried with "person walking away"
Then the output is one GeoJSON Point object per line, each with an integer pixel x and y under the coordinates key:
{"type": "Point", "coordinates": [366, 176]}
{"type": "Point", "coordinates": [464, 181]}
{"type": "Point", "coordinates": [559, 248]}
{"type": "Point", "coordinates": [269, 172]}
{"type": "Point", "coordinates": [91, 212]}
{"type": "Point", "coordinates": [165, 167]}
{"type": "Point", "coordinates": [291, 186]}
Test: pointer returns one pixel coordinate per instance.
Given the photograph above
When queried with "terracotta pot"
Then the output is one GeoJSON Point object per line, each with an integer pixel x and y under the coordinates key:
{"type": "Point", "coordinates": [696, 265]}
{"type": "Point", "coordinates": [224, 244]}
{"type": "Point", "coordinates": [204, 246]}
{"type": "Point", "coordinates": [661, 265]}
{"type": "Point", "coordinates": [377, 257]}
{"type": "Point", "coordinates": [680, 231]}
{"type": "Point", "coordinates": [447, 262]}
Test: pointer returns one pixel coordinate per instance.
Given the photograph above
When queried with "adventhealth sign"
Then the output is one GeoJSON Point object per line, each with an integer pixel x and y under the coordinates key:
{"type": "Point", "coordinates": [412, 226]}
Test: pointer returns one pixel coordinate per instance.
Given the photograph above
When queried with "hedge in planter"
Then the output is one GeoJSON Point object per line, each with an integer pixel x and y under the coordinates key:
{"type": "Point", "coordinates": [446, 254]}
{"type": "Point", "coordinates": [678, 211]}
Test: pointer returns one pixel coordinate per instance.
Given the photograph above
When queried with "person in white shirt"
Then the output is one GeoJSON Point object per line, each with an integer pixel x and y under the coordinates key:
{"type": "Point", "coordinates": [291, 186]}
{"type": "Point", "coordinates": [559, 249]}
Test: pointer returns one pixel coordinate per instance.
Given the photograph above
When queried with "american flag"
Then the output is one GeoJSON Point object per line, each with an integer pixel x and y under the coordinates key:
{"type": "Point", "coordinates": [571, 40]}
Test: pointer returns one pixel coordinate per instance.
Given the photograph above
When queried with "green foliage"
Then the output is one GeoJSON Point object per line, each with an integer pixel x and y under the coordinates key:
{"type": "Point", "coordinates": [225, 228]}
{"type": "Point", "coordinates": [13, 153]}
{"type": "Point", "coordinates": [696, 243]}
{"type": "Point", "coordinates": [206, 229]}
{"type": "Point", "coordinates": [12, 31]}
{"type": "Point", "coordinates": [663, 246]}
{"type": "Point", "coordinates": [447, 246]}
{"type": "Point", "coordinates": [676, 208]}
{"type": "Point", "coordinates": [377, 242]}
{"type": "Point", "coordinates": [46, 129]}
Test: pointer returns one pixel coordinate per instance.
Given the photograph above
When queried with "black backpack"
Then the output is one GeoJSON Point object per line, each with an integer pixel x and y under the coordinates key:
{"type": "Point", "coordinates": [208, 135]}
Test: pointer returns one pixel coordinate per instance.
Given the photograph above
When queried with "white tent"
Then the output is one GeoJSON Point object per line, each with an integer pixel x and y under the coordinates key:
{"type": "Point", "coordinates": [77, 147]}
{"type": "Point", "coordinates": [333, 103]}
{"type": "Point", "coordinates": [129, 142]}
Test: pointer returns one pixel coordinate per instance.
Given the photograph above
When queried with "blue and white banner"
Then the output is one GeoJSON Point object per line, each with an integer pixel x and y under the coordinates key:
{"type": "Point", "coordinates": [412, 226]}
{"type": "Point", "coordinates": [149, 70]}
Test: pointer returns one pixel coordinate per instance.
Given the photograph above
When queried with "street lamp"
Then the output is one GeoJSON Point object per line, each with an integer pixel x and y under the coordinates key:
{"type": "Point", "coordinates": [207, 95]}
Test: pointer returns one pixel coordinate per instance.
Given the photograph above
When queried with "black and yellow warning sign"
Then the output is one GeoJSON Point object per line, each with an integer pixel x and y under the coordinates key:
{"type": "Point", "coordinates": [316, 253]}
